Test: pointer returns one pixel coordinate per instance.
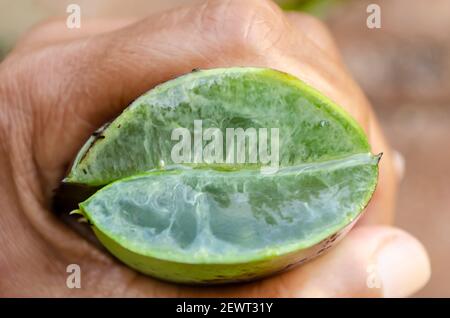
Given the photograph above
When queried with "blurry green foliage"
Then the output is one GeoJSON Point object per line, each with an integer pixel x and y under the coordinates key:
{"type": "Point", "coordinates": [315, 7]}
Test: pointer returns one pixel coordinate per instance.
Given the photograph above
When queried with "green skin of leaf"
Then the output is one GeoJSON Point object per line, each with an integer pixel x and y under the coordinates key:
{"type": "Point", "coordinates": [327, 173]}
{"type": "Point", "coordinates": [214, 274]}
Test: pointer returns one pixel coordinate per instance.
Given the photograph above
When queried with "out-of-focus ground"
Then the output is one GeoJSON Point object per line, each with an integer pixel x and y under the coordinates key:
{"type": "Point", "coordinates": [404, 68]}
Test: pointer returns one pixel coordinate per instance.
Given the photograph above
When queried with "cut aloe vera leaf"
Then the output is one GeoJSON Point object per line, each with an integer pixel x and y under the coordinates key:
{"type": "Point", "coordinates": [311, 127]}
{"type": "Point", "coordinates": [208, 226]}
{"type": "Point", "coordinates": [214, 223]}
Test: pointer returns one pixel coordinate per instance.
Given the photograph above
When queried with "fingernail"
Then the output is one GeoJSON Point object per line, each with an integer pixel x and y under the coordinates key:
{"type": "Point", "coordinates": [399, 162]}
{"type": "Point", "coordinates": [403, 266]}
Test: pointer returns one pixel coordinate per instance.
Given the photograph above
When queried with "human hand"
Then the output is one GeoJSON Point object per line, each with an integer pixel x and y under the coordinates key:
{"type": "Point", "coordinates": [59, 85]}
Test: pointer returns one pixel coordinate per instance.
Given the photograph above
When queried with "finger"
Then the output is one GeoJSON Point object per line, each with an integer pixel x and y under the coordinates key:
{"type": "Point", "coordinates": [371, 261]}
{"type": "Point", "coordinates": [55, 31]}
{"type": "Point", "coordinates": [316, 31]}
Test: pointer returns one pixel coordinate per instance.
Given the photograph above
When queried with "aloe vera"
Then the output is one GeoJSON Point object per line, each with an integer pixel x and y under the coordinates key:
{"type": "Point", "coordinates": [203, 222]}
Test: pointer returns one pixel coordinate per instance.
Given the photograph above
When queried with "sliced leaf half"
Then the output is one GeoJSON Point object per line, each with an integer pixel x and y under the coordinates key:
{"type": "Point", "coordinates": [191, 225]}
{"type": "Point", "coordinates": [311, 127]}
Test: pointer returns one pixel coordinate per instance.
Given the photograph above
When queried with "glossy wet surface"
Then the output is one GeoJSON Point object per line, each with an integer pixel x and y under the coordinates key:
{"type": "Point", "coordinates": [207, 216]}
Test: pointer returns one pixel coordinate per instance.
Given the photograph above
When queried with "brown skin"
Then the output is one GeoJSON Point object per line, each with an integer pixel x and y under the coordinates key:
{"type": "Point", "coordinates": [59, 85]}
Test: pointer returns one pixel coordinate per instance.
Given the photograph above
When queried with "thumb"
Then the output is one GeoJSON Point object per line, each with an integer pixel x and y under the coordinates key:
{"type": "Point", "coordinates": [372, 261]}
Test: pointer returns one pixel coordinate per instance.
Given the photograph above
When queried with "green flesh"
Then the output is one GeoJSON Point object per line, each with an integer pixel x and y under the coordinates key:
{"type": "Point", "coordinates": [213, 217]}
{"type": "Point", "coordinates": [208, 223]}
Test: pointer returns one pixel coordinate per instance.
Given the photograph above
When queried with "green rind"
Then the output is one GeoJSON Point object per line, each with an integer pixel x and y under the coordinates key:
{"type": "Point", "coordinates": [209, 274]}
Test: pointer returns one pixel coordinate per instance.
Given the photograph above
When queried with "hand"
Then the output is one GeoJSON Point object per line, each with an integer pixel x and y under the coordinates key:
{"type": "Point", "coordinates": [60, 84]}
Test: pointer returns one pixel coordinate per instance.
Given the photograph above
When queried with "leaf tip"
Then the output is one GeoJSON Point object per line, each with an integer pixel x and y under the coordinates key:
{"type": "Point", "coordinates": [378, 157]}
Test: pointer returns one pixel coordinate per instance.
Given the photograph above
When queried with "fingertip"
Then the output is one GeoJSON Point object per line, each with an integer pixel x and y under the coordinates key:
{"type": "Point", "coordinates": [371, 261]}
{"type": "Point", "coordinates": [403, 265]}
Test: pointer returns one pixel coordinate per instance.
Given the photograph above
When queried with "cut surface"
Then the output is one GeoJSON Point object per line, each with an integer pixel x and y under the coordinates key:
{"type": "Point", "coordinates": [311, 127]}
{"type": "Point", "coordinates": [206, 216]}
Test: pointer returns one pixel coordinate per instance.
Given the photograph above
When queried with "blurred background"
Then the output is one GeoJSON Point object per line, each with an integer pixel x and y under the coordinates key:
{"type": "Point", "coordinates": [403, 67]}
